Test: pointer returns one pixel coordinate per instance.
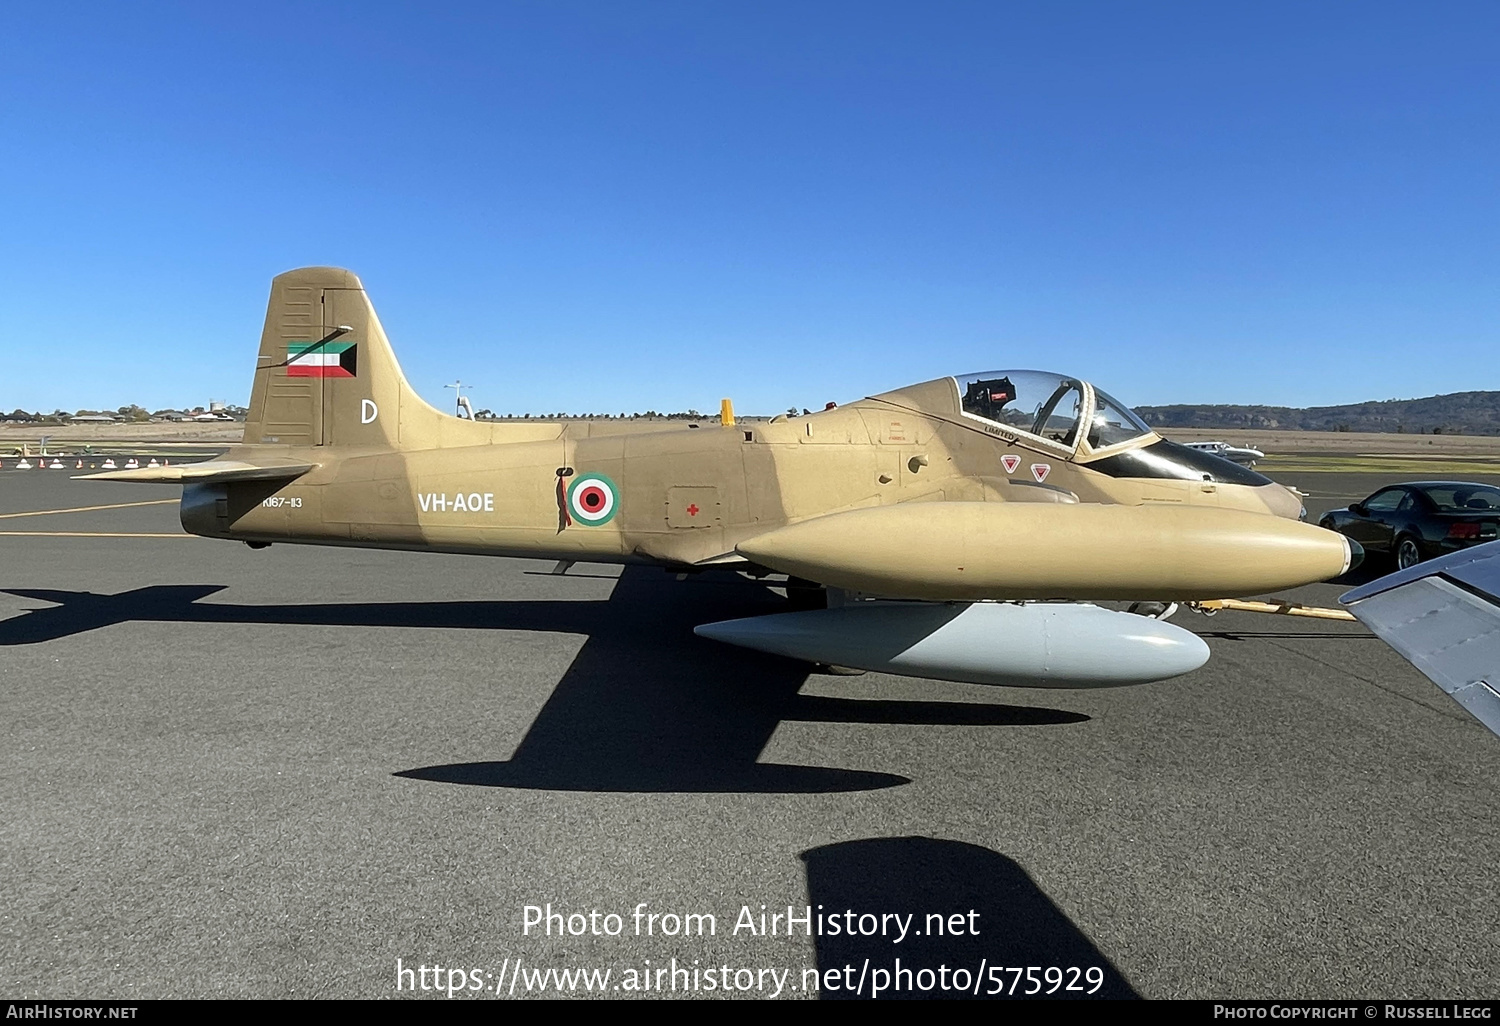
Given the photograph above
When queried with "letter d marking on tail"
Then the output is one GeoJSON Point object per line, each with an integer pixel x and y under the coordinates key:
{"type": "Point", "coordinates": [368, 411]}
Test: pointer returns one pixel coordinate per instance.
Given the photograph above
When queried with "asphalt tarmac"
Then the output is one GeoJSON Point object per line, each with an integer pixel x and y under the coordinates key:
{"type": "Point", "coordinates": [275, 773]}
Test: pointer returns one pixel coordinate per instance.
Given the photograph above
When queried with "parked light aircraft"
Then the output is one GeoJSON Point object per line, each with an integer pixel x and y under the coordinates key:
{"type": "Point", "coordinates": [1243, 454]}
{"type": "Point", "coordinates": [987, 512]}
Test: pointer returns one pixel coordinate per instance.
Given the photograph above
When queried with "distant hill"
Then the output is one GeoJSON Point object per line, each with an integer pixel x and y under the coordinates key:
{"type": "Point", "coordinates": [1462, 413]}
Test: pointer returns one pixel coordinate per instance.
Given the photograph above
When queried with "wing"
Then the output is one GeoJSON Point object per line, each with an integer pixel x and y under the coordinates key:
{"type": "Point", "coordinates": [1443, 617]}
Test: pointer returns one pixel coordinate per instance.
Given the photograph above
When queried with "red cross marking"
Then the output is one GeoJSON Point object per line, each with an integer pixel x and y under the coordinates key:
{"type": "Point", "coordinates": [693, 510]}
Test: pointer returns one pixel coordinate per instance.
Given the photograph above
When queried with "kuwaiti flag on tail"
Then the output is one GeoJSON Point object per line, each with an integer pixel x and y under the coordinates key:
{"type": "Point", "coordinates": [321, 359]}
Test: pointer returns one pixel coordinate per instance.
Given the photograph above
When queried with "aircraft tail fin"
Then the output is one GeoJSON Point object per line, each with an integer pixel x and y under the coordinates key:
{"type": "Point", "coordinates": [327, 376]}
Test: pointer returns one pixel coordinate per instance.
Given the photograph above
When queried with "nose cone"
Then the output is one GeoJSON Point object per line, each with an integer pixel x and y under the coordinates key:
{"type": "Point", "coordinates": [1356, 553]}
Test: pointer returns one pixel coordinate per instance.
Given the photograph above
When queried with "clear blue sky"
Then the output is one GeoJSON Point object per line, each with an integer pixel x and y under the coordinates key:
{"type": "Point", "coordinates": [620, 205]}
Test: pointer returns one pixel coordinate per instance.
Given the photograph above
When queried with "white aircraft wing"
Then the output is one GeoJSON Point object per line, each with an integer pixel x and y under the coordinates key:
{"type": "Point", "coordinates": [1443, 617]}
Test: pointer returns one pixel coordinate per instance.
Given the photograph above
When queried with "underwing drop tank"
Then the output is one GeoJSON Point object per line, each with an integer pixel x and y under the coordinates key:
{"type": "Point", "coordinates": [1035, 644]}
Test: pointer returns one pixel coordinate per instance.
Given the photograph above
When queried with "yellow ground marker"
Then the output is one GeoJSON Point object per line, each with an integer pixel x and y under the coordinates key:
{"type": "Point", "coordinates": [86, 509]}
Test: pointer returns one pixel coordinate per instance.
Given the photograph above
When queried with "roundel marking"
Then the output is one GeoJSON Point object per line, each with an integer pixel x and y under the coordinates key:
{"type": "Point", "coordinates": [593, 499]}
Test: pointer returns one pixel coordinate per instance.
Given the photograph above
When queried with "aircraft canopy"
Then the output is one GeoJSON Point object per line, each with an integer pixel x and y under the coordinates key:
{"type": "Point", "coordinates": [1048, 406]}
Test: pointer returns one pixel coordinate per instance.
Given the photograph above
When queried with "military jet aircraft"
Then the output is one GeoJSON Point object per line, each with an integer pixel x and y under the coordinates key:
{"type": "Point", "coordinates": [963, 527]}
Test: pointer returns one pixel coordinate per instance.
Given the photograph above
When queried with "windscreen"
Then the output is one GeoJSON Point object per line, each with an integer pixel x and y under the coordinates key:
{"type": "Point", "coordinates": [1463, 498]}
{"type": "Point", "coordinates": [1113, 422]}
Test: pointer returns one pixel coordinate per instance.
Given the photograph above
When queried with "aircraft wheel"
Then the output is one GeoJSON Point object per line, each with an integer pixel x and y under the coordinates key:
{"type": "Point", "coordinates": [1408, 553]}
{"type": "Point", "coordinates": [1154, 610]}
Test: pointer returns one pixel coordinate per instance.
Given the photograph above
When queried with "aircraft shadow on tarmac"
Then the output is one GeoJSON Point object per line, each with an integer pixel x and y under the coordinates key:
{"type": "Point", "coordinates": [646, 706]}
{"type": "Point", "coordinates": [1018, 925]}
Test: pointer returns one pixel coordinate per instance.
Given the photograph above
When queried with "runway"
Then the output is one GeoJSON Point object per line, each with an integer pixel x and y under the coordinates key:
{"type": "Point", "coordinates": [235, 773]}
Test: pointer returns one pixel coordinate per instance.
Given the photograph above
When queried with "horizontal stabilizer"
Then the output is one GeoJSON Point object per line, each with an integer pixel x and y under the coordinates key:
{"type": "Point", "coordinates": [209, 471]}
{"type": "Point", "coordinates": [1443, 617]}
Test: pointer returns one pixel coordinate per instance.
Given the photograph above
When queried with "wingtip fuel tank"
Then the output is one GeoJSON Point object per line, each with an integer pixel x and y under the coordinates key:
{"type": "Point", "coordinates": [1034, 644]}
{"type": "Point", "coordinates": [1012, 550]}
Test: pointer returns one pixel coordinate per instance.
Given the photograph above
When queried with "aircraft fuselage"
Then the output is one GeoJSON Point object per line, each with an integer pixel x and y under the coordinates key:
{"type": "Point", "coordinates": [676, 496]}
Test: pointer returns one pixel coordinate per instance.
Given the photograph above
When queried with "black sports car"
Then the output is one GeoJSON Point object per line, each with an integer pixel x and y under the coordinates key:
{"type": "Point", "coordinates": [1420, 519]}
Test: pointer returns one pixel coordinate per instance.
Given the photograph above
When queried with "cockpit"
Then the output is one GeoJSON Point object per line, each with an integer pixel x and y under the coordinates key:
{"type": "Point", "coordinates": [1063, 418]}
{"type": "Point", "coordinates": [1086, 424]}
{"type": "Point", "coordinates": [1070, 419]}
{"type": "Point", "coordinates": [1049, 407]}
